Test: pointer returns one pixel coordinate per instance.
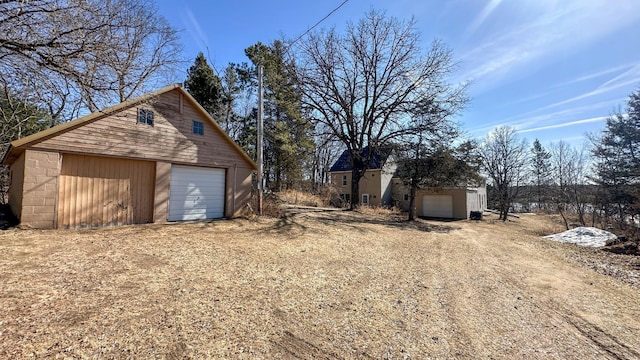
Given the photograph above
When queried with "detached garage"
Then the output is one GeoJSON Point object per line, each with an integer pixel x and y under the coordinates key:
{"type": "Point", "coordinates": [451, 203]}
{"type": "Point", "coordinates": [156, 158]}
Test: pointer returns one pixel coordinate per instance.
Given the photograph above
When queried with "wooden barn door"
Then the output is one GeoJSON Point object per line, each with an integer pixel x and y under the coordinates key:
{"type": "Point", "coordinates": [99, 191]}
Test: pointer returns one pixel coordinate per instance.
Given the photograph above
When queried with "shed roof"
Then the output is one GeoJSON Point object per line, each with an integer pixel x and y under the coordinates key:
{"type": "Point", "coordinates": [18, 146]}
{"type": "Point", "coordinates": [377, 160]}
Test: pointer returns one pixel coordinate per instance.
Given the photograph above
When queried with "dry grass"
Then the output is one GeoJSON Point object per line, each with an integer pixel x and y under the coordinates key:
{"type": "Point", "coordinates": [380, 211]}
{"type": "Point", "coordinates": [544, 224]}
{"type": "Point", "coordinates": [318, 285]}
{"type": "Point", "coordinates": [295, 197]}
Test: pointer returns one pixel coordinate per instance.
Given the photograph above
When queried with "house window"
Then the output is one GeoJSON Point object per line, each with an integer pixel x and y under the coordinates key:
{"type": "Point", "coordinates": [345, 198]}
{"type": "Point", "coordinates": [198, 127]}
{"type": "Point", "coordinates": [145, 117]}
{"type": "Point", "coordinates": [344, 180]}
{"type": "Point", "coordinates": [365, 199]}
{"type": "Point", "coordinates": [406, 197]}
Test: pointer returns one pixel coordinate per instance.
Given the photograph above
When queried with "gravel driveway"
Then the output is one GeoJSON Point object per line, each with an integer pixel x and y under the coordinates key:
{"type": "Point", "coordinates": [314, 285]}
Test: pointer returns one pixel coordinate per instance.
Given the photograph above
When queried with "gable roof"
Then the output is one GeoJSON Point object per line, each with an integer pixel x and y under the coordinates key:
{"type": "Point", "coordinates": [18, 146]}
{"type": "Point", "coordinates": [377, 160]}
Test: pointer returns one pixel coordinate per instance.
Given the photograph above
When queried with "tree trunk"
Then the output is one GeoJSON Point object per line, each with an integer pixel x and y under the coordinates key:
{"type": "Point", "coordinates": [412, 201]}
{"type": "Point", "coordinates": [504, 212]}
{"type": "Point", "coordinates": [504, 203]}
{"type": "Point", "coordinates": [566, 224]}
{"type": "Point", "coordinates": [355, 188]}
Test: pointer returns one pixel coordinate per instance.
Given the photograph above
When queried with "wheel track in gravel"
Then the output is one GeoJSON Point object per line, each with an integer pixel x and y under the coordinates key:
{"type": "Point", "coordinates": [495, 274]}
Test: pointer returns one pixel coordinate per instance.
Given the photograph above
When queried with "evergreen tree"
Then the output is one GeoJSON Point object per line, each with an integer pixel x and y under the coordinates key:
{"type": "Point", "coordinates": [288, 136]}
{"type": "Point", "coordinates": [540, 169]}
{"type": "Point", "coordinates": [617, 163]}
{"type": "Point", "coordinates": [206, 87]}
{"type": "Point", "coordinates": [18, 118]}
{"type": "Point", "coordinates": [230, 92]}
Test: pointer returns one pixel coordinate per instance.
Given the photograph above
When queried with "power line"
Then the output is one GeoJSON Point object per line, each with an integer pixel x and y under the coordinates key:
{"type": "Point", "coordinates": [316, 24]}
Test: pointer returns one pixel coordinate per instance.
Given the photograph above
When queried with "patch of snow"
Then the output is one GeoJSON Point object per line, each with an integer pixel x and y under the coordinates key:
{"type": "Point", "coordinates": [583, 236]}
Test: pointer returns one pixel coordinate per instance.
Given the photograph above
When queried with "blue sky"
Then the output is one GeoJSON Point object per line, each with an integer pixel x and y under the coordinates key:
{"type": "Point", "coordinates": [554, 69]}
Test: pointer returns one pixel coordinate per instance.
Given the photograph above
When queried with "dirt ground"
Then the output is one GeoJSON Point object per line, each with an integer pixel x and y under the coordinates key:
{"type": "Point", "coordinates": [315, 285]}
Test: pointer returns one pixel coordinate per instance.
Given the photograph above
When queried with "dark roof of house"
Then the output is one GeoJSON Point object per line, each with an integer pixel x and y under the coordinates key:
{"type": "Point", "coordinates": [377, 160]}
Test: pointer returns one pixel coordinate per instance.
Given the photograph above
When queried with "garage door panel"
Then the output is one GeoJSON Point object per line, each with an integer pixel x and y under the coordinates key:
{"type": "Point", "coordinates": [99, 191]}
{"type": "Point", "coordinates": [196, 193]}
{"type": "Point", "coordinates": [440, 206]}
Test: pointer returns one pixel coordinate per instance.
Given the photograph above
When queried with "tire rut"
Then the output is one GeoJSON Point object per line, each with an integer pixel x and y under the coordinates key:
{"type": "Point", "coordinates": [532, 322]}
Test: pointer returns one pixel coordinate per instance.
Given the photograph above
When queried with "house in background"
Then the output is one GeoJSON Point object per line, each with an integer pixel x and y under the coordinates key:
{"type": "Point", "coordinates": [447, 203]}
{"type": "Point", "coordinates": [375, 185]}
{"type": "Point", "coordinates": [379, 187]}
{"type": "Point", "coordinates": [160, 157]}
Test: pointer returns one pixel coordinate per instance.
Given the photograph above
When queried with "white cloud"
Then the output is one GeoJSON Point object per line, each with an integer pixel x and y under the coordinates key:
{"type": "Point", "coordinates": [561, 125]}
{"type": "Point", "coordinates": [195, 30]}
{"type": "Point", "coordinates": [484, 14]}
{"type": "Point", "coordinates": [522, 122]}
{"type": "Point", "coordinates": [545, 33]}
{"type": "Point", "coordinates": [629, 77]}
{"type": "Point", "coordinates": [594, 75]}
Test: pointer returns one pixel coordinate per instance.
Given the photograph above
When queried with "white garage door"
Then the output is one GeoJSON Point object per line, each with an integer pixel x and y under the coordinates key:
{"type": "Point", "coordinates": [196, 193]}
{"type": "Point", "coordinates": [437, 206]}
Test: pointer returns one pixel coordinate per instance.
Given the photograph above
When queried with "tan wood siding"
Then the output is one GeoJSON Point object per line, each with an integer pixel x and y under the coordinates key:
{"type": "Point", "coordinates": [171, 139]}
{"type": "Point", "coordinates": [239, 192]}
{"type": "Point", "coordinates": [98, 191]}
{"type": "Point", "coordinates": [161, 201]}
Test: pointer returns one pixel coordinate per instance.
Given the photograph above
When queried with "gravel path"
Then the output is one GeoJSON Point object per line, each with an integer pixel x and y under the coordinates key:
{"type": "Point", "coordinates": [314, 285]}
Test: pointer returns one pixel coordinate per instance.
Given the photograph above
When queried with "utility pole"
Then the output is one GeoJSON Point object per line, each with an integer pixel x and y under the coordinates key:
{"type": "Point", "coordinates": [259, 144]}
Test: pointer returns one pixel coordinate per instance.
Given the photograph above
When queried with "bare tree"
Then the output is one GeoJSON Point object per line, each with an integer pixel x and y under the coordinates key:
{"type": "Point", "coordinates": [364, 85]}
{"type": "Point", "coordinates": [74, 54]}
{"type": "Point", "coordinates": [326, 152]}
{"type": "Point", "coordinates": [143, 53]}
{"type": "Point", "coordinates": [569, 172]}
{"type": "Point", "coordinates": [504, 157]}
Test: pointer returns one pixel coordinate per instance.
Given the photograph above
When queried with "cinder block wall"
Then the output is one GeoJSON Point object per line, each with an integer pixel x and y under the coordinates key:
{"type": "Point", "coordinates": [40, 189]}
{"type": "Point", "coordinates": [15, 189]}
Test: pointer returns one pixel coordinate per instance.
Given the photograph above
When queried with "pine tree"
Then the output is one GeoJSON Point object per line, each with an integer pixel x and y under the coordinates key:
{"type": "Point", "coordinates": [617, 163]}
{"type": "Point", "coordinates": [206, 87]}
{"type": "Point", "coordinates": [540, 169]}
{"type": "Point", "coordinates": [18, 118]}
{"type": "Point", "coordinates": [288, 136]}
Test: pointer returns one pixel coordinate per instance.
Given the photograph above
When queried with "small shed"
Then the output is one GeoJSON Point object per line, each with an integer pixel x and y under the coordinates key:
{"type": "Point", "coordinates": [160, 157]}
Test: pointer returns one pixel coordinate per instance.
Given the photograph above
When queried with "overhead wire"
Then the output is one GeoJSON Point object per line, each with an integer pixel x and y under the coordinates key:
{"type": "Point", "coordinates": [316, 24]}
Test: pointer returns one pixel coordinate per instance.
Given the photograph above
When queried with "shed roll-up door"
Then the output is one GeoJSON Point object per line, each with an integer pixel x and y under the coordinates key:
{"type": "Point", "coordinates": [440, 206]}
{"type": "Point", "coordinates": [196, 193]}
